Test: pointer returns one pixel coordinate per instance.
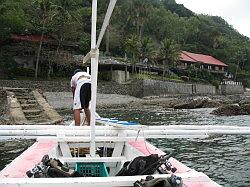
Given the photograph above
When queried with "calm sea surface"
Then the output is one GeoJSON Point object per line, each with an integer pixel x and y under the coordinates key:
{"type": "Point", "coordinates": [225, 159]}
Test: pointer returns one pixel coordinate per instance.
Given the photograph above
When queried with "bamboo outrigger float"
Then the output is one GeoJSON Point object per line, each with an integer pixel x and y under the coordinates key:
{"type": "Point", "coordinates": [127, 141]}
{"type": "Point", "coordinates": [112, 130]}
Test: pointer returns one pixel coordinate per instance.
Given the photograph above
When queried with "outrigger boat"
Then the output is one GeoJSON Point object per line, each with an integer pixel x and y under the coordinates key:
{"type": "Point", "coordinates": [101, 153]}
{"type": "Point", "coordinates": [116, 143]}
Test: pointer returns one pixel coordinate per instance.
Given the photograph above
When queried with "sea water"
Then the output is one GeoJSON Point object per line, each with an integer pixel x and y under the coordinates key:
{"type": "Point", "coordinates": [224, 158]}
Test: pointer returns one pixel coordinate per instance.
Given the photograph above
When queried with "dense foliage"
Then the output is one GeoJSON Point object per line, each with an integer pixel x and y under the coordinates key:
{"type": "Point", "coordinates": [139, 29]}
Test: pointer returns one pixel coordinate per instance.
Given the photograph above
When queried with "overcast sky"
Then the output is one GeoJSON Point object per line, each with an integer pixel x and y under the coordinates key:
{"type": "Point", "coordinates": [235, 12]}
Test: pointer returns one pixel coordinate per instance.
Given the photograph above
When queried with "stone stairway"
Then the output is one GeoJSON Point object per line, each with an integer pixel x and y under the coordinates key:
{"type": "Point", "coordinates": [28, 106]}
{"type": "Point", "coordinates": [247, 93]}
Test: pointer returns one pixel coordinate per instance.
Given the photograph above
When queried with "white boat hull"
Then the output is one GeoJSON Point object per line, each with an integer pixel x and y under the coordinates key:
{"type": "Point", "coordinates": [14, 175]}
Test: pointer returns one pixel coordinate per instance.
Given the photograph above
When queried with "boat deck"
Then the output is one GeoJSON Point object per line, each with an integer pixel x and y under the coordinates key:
{"type": "Point", "coordinates": [27, 160]}
{"type": "Point", "coordinates": [32, 156]}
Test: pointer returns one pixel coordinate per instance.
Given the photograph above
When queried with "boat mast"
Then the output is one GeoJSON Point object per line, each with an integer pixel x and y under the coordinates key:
{"type": "Point", "coordinates": [94, 54]}
{"type": "Point", "coordinates": [94, 70]}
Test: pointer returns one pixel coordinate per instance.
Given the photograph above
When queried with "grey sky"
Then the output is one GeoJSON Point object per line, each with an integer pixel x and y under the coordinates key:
{"type": "Point", "coordinates": [235, 12]}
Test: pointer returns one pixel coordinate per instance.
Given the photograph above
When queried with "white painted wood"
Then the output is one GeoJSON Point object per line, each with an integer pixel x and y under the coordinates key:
{"type": "Point", "coordinates": [92, 159]}
{"type": "Point", "coordinates": [84, 139]}
{"type": "Point", "coordinates": [131, 152]}
{"type": "Point", "coordinates": [94, 70]}
{"type": "Point", "coordinates": [101, 138]}
{"type": "Point", "coordinates": [118, 151]}
{"type": "Point", "coordinates": [106, 21]}
{"type": "Point", "coordinates": [150, 133]}
{"type": "Point", "coordinates": [119, 145]}
{"type": "Point", "coordinates": [65, 149]}
{"type": "Point", "coordinates": [81, 144]}
{"type": "Point", "coordinates": [161, 127]}
{"type": "Point", "coordinates": [94, 181]}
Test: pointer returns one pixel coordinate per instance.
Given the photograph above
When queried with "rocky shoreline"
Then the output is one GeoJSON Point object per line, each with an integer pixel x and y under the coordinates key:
{"type": "Point", "coordinates": [111, 101]}
{"type": "Point", "coordinates": [3, 111]}
{"type": "Point", "coordinates": [226, 105]}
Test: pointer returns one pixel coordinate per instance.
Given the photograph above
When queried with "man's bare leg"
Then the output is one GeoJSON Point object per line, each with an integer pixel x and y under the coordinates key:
{"type": "Point", "coordinates": [87, 115]}
{"type": "Point", "coordinates": [77, 117]}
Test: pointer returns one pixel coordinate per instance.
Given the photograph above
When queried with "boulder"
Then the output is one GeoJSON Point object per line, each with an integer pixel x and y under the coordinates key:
{"type": "Point", "coordinates": [189, 104]}
{"type": "Point", "coordinates": [246, 108]}
{"type": "Point", "coordinates": [204, 102]}
{"type": "Point", "coordinates": [209, 103]}
{"type": "Point", "coordinates": [230, 110]}
{"type": "Point", "coordinates": [244, 102]}
{"type": "Point", "coordinates": [3, 100]}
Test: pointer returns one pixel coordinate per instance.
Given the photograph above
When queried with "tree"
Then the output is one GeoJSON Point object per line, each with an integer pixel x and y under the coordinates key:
{"type": "Point", "coordinates": [240, 57]}
{"type": "Point", "coordinates": [135, 13]}
{"type": "Point", "coordinates": [145, 48]}
{"type": "Point", "coordinates": [132, 45]}
{"type": "Point", "coordinates": [60, 18]}
{"type": "Point", "coordinates": [12, 17]}
{"type": "Point", "coordinates": [66, 26]}
{"type": "Point", "coordinates": [169, 53]}
{"type": "Point", "coordinates": [41, 13]}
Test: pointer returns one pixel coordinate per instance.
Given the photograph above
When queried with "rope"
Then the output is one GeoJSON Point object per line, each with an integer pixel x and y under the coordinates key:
{"type": "Point", "coordinates": [145, 142]}
{"type": "Point", "coordinates": [137, 134]}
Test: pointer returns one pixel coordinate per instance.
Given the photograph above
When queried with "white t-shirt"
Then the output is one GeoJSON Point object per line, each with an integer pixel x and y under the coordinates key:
{"type": "Point", "coordinates": [75, 78]}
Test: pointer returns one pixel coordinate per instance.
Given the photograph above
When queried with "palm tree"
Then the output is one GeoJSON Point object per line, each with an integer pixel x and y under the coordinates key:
{"type": "Point", "coordinates": [146, 48]}
{"type": "Point", "coordinates": [137, 12]}
{"type": "Point", "coordinates": [169, 53]}
{"type": "Point", "coordinates": [132, 45]}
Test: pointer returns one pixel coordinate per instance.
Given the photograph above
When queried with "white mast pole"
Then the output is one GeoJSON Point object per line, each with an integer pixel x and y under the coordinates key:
{"type": "Point", "coordinates": [94, 70]}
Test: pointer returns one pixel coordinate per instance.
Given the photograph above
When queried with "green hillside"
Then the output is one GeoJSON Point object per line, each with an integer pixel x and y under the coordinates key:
{"type": "Point", "coordinates": [153, 29]}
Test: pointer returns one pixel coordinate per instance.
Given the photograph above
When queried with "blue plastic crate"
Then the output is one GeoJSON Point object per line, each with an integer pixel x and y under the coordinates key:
{"type": "Point", "coordinates": [92, 169]}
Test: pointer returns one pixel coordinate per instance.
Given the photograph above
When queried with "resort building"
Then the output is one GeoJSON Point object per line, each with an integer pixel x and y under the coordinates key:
{"type": "Point", "coordinates": [200, 61]}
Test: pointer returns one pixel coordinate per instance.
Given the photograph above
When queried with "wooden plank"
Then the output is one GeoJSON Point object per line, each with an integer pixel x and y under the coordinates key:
{"type": "Point", "coordinates": [119, 145]}
{"type": "Point", "coordinates": [65, 149]}
{"type": "Point", "coordinates": [92, 159]}
{"type": "Point", "coordinates": [191, 178]}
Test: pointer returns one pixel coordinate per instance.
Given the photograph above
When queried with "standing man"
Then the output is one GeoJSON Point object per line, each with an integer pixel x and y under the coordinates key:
{"type": "Point", "coordinates": [81, 89]}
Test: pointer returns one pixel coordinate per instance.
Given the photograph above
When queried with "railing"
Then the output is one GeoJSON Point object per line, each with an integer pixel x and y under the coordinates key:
{"type": "Point", "coordinates": [231, 83]}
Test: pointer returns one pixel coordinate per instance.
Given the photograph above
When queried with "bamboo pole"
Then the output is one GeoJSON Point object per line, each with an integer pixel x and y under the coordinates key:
{"type": "Point", "coordinates": [160, 127]}
{"type": "Point", "coordinates": [94, 69]}
{"type": "Point", "coordinates": [130, 133]}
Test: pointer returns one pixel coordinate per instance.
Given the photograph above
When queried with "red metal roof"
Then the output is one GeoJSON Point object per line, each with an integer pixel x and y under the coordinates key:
{"type": "Point", "coordinates": [32, 38]}
{"type": "Point", "coordinates": [185, 57]}
{"type": "Point", "coordinates": [206, 59]}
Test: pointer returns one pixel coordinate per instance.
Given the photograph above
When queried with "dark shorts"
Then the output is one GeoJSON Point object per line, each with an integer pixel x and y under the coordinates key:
{"type": "Point", "coordinates": [85, 95]}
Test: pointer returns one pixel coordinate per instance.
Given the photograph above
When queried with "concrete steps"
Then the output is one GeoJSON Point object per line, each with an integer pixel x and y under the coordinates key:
{"type": "Point", "coordinates": [25, 97]}
{"type": "Point", "coordinates": [27, 101]}
{"type": "Point", "coordinates": [247, 93]}
{"type": "Point", "coordinates": [31, 112]}
{"type": "Point", "coordinates": [26, 106]}
{"type": "Point", "coordinates": [29, 107]}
